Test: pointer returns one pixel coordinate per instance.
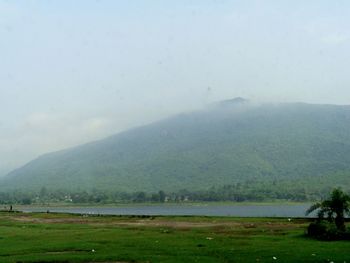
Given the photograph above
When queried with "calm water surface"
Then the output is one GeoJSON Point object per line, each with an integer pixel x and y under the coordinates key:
{"type": "Point", "coordinates": [240, 210]}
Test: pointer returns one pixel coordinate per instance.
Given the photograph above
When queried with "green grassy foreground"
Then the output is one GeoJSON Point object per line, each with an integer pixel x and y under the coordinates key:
{"type": "Point", "coordinates": [77, 238]}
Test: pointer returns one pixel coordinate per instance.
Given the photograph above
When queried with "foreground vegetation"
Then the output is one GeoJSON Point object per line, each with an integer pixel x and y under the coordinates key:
{"type": "Point", "coordinates": [81, 238]}
{"type": "Point", "coordinates": [333, 226]}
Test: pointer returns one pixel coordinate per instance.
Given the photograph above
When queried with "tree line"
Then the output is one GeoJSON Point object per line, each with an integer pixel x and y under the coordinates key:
{"type": "Point", "coordinates": [235, 192]}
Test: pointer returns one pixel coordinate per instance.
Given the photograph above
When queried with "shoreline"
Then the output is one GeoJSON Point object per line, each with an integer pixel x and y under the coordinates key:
{"type": "Point", "coordinates": [156, 204]}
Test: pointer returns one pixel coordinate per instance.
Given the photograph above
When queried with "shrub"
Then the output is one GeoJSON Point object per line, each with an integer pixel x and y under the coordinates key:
{"type": "Point", "coordinates": [325, 231]}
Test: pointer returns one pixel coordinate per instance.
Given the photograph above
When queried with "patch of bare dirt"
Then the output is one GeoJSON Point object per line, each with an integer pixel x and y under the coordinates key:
{"type": "Point", "coordinates": [155, 222]}
{"type": "Point", "coordinates": [28, 219]}
{"type": "Point", "coordinates": [152, 223]}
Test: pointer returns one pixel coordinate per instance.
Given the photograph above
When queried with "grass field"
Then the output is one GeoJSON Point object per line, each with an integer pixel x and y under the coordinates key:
{"type": "Point", "coordinates": [78, 238]}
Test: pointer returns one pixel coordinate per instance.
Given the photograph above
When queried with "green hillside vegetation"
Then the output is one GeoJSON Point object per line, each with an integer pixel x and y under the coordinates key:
{"type": "Point", "coordinates": [290, 147]}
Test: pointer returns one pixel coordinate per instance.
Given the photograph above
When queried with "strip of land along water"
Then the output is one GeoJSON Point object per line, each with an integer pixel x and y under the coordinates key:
{"type": "Point", "coordinates": [238, 210]}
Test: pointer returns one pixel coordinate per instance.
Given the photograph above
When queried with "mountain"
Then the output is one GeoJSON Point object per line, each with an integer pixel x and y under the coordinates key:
{"type": "Point", "coordinates": [235, 141]}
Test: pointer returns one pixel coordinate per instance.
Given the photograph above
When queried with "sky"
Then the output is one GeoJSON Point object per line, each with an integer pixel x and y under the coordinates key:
{"type": "Point", "coordinates": [77, 71]}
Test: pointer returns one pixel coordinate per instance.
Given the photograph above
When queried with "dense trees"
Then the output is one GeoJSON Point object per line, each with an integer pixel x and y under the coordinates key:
{"type": "Point", "coordinates": [277, 148]}
{"type": "Point", "coordinates": [333, 210]}
{"type": "Point", "coordinates": [235, 192]}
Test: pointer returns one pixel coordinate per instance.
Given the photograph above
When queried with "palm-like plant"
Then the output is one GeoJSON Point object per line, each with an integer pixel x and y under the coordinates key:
{"type": "Point", "coordinates": [335, 208]}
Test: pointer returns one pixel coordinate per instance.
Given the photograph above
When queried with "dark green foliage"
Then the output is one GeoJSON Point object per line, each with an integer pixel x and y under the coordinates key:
{"type": "Point", "coordinates": [284, 151]}
{"type": "Point", "coordinates": [324, 230]}
{"type": "Point", "coordinates": [331, 213]}
{"type": "Point", "coordinates": [162, 196]}
{"type": "Point", "coordinates": [236, 193]}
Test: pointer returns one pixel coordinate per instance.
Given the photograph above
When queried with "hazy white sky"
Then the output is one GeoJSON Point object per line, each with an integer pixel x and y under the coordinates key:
{"type": "Point", "coordinates": [75, 71]}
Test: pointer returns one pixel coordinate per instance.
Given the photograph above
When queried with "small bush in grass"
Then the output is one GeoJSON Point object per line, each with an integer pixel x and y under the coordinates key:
{"type": "Point", "coordinates": [325, 231]}
{"type": "Point", "coordinates": [335, 208]}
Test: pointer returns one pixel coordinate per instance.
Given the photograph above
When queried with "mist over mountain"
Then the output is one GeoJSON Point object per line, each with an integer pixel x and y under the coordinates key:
{"type": "Point", "coordinates": [230, 142]}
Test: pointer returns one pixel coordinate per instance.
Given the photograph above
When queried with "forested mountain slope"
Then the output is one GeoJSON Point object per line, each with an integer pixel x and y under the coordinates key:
{"type": "Point", "coordinates": [228, 143]}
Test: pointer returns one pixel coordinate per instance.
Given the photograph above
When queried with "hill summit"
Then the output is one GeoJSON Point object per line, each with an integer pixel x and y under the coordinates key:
{"type": "Point", "coordinates": [232, 102]}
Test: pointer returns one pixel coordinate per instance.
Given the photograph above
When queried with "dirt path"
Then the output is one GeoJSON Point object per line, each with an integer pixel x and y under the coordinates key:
{"type": "Point", "coordinates": [151, 222]}
{"type": "Point", "coordinates": [118, 222]}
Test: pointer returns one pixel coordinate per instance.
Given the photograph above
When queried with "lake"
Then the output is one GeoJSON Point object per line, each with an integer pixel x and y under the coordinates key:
{"type": "Point", "coordinates": [238, 210]}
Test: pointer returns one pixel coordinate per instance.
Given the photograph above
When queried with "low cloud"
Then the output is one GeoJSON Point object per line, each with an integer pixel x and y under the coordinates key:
{"type": "Point", "coordinates": [43, 132]}
{"type": "Point", "coordinates": [335, 39]}
{"type": "Point", "coordinates": [40, 133]}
